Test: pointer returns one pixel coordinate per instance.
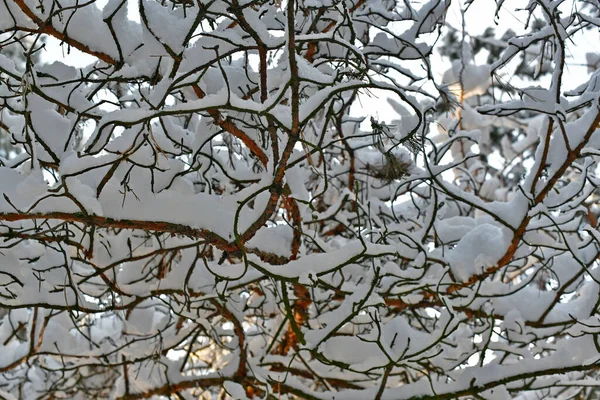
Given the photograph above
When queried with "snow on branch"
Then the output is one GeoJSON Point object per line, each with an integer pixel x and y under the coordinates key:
{"type": "Point", "coordinates": [242, 199]}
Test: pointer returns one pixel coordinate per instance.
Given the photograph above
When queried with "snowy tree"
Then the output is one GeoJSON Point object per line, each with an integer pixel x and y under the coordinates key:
{"type": "Point", "coordinates": [18, 47]}
{"type": "Point", "coordinates": [217, 207]}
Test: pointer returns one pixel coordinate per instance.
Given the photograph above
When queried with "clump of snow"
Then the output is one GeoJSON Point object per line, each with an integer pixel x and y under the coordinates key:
{"type": "Point", "coordinates": [479, 249]}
